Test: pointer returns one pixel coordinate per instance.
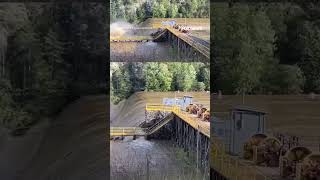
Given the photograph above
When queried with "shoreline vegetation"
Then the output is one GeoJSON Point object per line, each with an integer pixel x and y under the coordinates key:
{"type": "Point", "coordinates": [266, 48]}
{"type": "Point", "coordinates": [45, 62]}
{"type": "Point", "coordinates": [128, 78]}
{"type": "Point", "coordinates": [134, 11]}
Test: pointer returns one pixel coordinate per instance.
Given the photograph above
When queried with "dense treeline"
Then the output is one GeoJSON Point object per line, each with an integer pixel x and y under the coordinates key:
{"type": "Point", "coordinates": [266, 48]}
{"type": "Point", "coordinates": [137, 10]}
{"type": "Point", "coordinates": [127, 78]}
{"type": "Point", "coordinates": [50, 53]}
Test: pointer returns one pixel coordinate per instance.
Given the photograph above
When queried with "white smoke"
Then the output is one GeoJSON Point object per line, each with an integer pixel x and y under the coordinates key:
{"type": "Point", "coordinates": [120, 29]}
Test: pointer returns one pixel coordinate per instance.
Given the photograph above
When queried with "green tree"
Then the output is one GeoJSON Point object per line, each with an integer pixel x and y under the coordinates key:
{"type": "Point", "coordinates": [198, 86]}
{"type": "Point", "coordinates": [51, 75]}
{"type": "Point", "coordinates": [11, 115]}
{"type": "Point", "coordinates": [244, 48]}
{"type": "Point", "coordinates": [158, 77]}
{"type": "Point", "coordinates": [173, 11]}
{"type": "Point", "coordinates": [184, 76]}
{"type": "Point", "coordinates": [159, 11]}
{"type": "Point", "coordinates": [121, 84]}
{"type": "Point", "coordinates": [291, 80]}
{"type": "Point", "coordinates": [204, 76]}
{"type": "Point", "coordinates": [309, 45]}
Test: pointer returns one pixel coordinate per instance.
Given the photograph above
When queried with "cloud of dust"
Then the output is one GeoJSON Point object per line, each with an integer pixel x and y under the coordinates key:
{"type": "Point", "coordinates": [120, 28]}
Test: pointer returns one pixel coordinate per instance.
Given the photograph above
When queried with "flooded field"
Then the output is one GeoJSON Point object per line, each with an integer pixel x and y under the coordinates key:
{"type": "Point", "coordinates": [151, 159]}
{"type": "Point", "coordinates": [202, 34]}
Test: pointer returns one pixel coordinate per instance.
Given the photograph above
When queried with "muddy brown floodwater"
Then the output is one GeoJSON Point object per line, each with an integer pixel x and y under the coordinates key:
{"type": "Point", "coordinates": [142, 51]}
{"type": "Point", "coordinates": [156, 159]}
{"type": "Point", "coordinates": [150, 159]}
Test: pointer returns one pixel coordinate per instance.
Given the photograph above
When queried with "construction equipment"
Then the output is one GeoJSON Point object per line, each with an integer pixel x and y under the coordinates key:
{"type": "Point", "coordinates": [193, 109]}
{"type": "Point", "coordinates": [248, 146]}
{"type": "Point", "coordinates": [206, 115]}
{"type": "Point", "coordinates": [268, 152]}
{"type": "Point", "coordinates": [288, 162]}
{"type": "Point", "coordinates": [182, 102]}
{"type": "Point", "coordinates": [188, 108]}
{"type": "Point", "coordinates": [309, 169]}
{"type": "Point", "coordinates": [186, 105]}
{"type": "Point", "coordinates": [182, 28]}
{"type": "Point", "coordinates": [201, 111]}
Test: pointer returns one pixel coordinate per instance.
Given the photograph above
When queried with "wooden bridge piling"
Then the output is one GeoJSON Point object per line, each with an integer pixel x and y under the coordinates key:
{"type": "Point", "coordinates": [187, 47]}
{"type": "Point", "coordinates": [192, 142]}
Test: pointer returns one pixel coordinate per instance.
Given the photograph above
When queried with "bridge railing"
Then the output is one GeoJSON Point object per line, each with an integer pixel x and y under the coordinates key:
{"type": "Point", "coordinates": [161, 107]}
{"type": "Point", "coordinates": [159, 123]}
{"type": "Point", "coordinates": [125, 131]}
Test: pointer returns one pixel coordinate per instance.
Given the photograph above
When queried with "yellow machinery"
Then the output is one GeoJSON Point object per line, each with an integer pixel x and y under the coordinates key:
{"type": "Point", "coordinates": [288, 162]}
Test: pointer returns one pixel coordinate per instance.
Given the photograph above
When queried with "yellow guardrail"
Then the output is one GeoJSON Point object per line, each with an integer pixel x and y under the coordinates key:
{"type": "Point", "coordinates": [231, 166]}
{"type": "Point", "coordinates": [160, 107]}
{"type": "Point", "coordinates": [126, 131]}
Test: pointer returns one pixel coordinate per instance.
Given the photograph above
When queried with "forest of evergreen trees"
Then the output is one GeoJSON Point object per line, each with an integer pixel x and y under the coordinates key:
{"type": "Point", "coordinates": [264, 48]}
{"type": "Point", "coordinates": [127, 78]}
{"type": "Point", "coordinates": [139, 10]}
{"type": "Point", "coordinates": [50, 54]}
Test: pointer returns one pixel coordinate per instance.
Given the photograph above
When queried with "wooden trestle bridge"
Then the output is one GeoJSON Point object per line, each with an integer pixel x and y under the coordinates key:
{"type": "Point", "coordinates": [175, 110]}
{"type": "Point", "coordinates": [187, 46]}
{"type": "Point", "coordinates": [193, 135]}
{"type": "Point", "coordinates": [185, 43]}
{"type": "Point", "coordinates": [186, 131]}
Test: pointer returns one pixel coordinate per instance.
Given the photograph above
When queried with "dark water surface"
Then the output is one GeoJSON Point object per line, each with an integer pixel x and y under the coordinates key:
{"type": "Point", "coordinates": [150, 159]}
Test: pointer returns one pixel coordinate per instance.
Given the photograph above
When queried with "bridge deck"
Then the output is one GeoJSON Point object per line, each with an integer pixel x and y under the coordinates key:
{"type": "Point", "coordinates": [204, 127]}
{"type": "Point", "coordinates": [203, 48]}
